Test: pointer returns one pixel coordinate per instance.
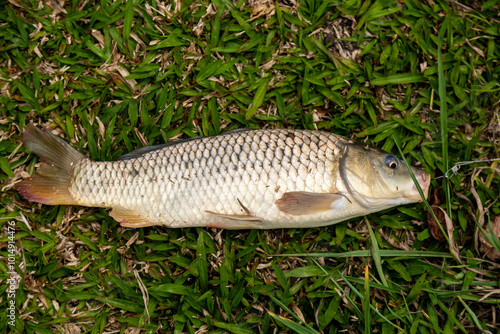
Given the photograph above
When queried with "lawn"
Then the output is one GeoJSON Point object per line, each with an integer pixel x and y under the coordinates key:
{"type": "Point", "coordinates": [420, 79]}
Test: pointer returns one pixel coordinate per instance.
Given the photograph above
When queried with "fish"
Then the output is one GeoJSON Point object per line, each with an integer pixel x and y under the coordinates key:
{"type": "Point", "coordinates": [241, 179]}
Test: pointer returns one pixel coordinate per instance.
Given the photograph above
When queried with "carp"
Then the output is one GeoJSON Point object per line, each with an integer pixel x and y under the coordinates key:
{"type": "Point", "coordinates": [241, 179]}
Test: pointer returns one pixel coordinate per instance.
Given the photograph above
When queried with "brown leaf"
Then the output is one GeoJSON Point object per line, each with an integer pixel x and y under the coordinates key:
{"type": "Point", "coordinates": [435, 198]}
{"type": "Point", "coordinates": [433, 225]}
{"type": "Point", "coordinates": [449, 227]}
{"type": "Point", "coordinates": [486, 247]}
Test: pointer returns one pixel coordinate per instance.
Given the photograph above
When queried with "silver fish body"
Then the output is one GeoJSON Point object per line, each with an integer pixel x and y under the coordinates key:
{"type": "Point", "coordinates": [241, 179]}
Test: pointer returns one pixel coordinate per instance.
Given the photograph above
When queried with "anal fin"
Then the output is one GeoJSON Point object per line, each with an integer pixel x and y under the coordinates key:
{"type": "Point", "coordinates": [299, 203]}
{"type": "Point", "coordinates": [130, 218]}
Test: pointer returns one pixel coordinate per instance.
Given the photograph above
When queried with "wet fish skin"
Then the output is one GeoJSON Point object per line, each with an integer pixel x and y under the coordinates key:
{"type": "Point", "coordinates": [241, 179]}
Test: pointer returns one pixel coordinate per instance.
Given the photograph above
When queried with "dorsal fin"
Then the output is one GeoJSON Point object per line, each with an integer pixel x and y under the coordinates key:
{"type": "Point", "coordinates": [146, 149]}
{"type": "Point", "coordinates": [237, 130]}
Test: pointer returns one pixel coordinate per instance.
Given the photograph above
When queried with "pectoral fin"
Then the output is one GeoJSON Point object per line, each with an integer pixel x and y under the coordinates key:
{"type": "Point", "coordinates": [301, 203]}
{"type": "Point", "coordinates": [130, 218]}
{"type": "Point", "coordinates": [236, 222]}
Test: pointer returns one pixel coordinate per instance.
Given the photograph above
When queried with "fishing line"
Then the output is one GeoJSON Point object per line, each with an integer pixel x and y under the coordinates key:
{"type": "Point", "coordinates": [456, 167]}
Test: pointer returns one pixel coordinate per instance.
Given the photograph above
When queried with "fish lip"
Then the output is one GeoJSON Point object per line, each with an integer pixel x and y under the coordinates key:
{"type": "Point", "coordinates": [424, 180]}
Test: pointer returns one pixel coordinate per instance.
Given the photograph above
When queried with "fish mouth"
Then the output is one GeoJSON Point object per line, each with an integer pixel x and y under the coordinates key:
{"type": "Point", "coordinates": [424, 181]}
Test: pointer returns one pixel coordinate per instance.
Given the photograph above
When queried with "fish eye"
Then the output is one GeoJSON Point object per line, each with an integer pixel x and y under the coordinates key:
{"type": "Point", "coordinates": [391, 161]}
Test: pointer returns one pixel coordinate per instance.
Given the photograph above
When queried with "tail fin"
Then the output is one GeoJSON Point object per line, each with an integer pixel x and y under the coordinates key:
{"type": "Point", "coordinates": [51, 183]}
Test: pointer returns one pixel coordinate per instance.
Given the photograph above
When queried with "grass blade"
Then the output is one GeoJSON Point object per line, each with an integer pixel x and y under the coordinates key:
{"type": "Point", "coordinates": [375, 252]}
{"type": "Point", "coordinates": [308, 329]}
{"type": "Point", "coordinates": [401, 78]}
{"type": "Point", "coordinates": [258, 98]}
{"type": "Point", "coordinates": [292, 325]}
{"type": "Point", "coordinates": [128, 19]}
{"type": "Point", "coordinates": [366, 301]}
{"type": "Point", "coordinates": [443, 115]}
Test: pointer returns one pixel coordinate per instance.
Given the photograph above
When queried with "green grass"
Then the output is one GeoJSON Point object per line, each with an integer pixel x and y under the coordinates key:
{"type": "Point", "coordinates": [422, 77]}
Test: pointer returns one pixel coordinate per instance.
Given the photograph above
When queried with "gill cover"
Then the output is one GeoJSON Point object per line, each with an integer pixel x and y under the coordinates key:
{"type": "Point", "coordinates": [376, 179]}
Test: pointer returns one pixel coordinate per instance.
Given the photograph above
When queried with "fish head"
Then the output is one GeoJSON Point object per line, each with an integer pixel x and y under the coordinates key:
{"type": "Point", "coordinates": [378, 180]}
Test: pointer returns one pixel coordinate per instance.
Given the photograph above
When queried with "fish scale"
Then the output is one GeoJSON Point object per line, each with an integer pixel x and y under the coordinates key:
{"type": "Point", "coordinates": [268, 178]}
{"type": "Point", "coordinates": [189, 183]}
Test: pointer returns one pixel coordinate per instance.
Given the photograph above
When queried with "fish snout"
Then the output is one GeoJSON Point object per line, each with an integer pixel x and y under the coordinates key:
{"type": "Point", "coordinates": [424, 181]}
